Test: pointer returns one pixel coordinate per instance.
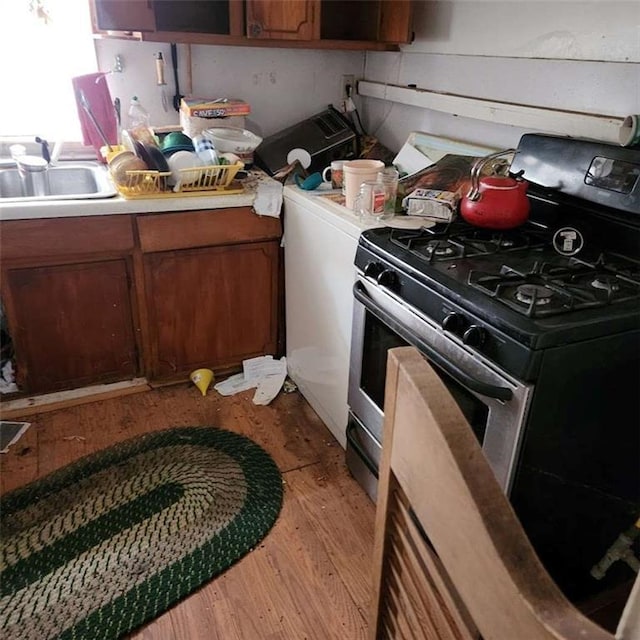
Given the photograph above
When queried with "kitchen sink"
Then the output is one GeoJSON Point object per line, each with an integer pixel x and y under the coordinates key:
{"type": "Point", "coordinates": [67, 181]}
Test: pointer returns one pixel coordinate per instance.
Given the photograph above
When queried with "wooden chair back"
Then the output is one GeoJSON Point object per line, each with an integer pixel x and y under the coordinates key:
{"type": "Point", "coordinates": [451, 558]}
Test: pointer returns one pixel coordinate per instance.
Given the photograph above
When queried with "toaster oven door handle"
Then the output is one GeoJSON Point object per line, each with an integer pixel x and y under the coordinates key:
{"type": "Point", "coordinates": [483, 388]}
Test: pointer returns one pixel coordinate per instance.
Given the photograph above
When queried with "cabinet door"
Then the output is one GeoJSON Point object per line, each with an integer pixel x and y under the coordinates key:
{"type": "Point", "coordinates": [72, 325]}
{"type": "Point", "coordinates": [395, 21]}
{"type": "Point", "coordinates": [283, 19]}
{"type": "Point", "coordinates": [211, 307]}
{"type": "Point", "coordinates": [123, 15]}
{"type": "Point", "coordinates": [222, 17]}
{"type": "Point", "coordinates": [382, 21]}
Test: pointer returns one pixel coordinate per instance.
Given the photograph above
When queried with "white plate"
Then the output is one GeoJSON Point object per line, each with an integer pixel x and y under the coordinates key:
{"type": "Point", "coordinates": [408, 222]}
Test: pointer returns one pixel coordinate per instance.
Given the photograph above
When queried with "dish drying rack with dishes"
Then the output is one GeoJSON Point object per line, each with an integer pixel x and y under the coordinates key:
{"type": "Point", "coordinates": [191, 181]}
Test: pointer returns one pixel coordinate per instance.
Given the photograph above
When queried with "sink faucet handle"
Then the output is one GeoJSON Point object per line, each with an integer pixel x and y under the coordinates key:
{"type": "Point", "coordinates": [45, 148]}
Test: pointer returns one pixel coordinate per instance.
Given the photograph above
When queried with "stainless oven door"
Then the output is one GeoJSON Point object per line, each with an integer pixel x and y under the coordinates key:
{"type": "Point", "coordinates": [494, 403]}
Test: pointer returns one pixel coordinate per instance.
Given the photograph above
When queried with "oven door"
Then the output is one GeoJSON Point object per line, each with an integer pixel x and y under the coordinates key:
{"type": "Point", "coordinates": [494, 403]}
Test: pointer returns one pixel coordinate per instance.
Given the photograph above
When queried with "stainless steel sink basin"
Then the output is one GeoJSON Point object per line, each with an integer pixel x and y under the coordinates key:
{"type": "Point", "coordinates": [67, 181]}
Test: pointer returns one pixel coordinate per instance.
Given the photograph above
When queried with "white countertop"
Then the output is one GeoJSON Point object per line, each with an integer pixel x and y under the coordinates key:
{"type": "Point", "coordinates": [320, 203]}
{"type": "Point", "coordinates": [17, 210]}
{"type": "Point", "coordinates": [332, 212]}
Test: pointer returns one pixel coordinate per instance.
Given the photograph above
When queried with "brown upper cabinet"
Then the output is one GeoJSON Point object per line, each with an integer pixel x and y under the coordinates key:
{"type": "Point", "coordinates": [385, 21]}
{"type": "Point", "coordinates": [283, 19]}
{"type": "Point", "coordinates": [346, 24]}
{"type": "Point", "coordinates": [161, 19]}
{"type": "Point", "coordinates": [118, 15]}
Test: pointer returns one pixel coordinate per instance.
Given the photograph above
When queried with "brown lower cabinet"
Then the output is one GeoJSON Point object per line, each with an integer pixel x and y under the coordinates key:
{"type": "Point", "coordinates": [211, 281]}
{"type": "Point", "coordinates": [67, 291]}
{"type": "Point", "coordinates": [107, 298]}
{"type": "Point", "coordinates": [211, 307]}
{"type": "Point", "coordinates": [72, 324]}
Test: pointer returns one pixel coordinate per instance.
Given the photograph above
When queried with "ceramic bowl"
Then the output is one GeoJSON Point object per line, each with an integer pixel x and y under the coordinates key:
{"type": "Point", "coordinates": [175, 139]}
{"type": "Point", "coordinates": [241, 142]}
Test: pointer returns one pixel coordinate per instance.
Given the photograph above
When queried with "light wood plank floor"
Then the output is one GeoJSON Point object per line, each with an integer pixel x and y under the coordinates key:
{"type": "Point", "coordinates": [308, 579]}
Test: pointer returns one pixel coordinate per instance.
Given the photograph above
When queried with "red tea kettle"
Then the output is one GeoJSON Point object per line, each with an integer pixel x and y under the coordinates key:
{"type": "Point", "coordinates": [495, 202]}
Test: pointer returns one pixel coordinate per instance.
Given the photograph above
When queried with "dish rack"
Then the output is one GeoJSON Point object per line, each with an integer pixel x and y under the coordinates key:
{"type": "Point", "coordinates": [194, 181]}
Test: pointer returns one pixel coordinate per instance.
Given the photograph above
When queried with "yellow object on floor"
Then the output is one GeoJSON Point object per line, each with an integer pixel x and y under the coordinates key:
{"type": "Point", "coordinates": [202, 378]}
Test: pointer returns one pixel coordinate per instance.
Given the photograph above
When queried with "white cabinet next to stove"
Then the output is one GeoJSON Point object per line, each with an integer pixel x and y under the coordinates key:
{"type": "Point", "coordinates": [320, 244]}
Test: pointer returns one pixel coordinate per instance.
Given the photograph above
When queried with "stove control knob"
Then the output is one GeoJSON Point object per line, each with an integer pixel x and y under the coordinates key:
{"type": "Point", "coordinates": [474, 336]}
{"type": "Point", "coordinates": [453, 322]}
{"type": "Point", "coordinates": [373, 270]}
{"type": "Point", "coordinates": [387, 278]}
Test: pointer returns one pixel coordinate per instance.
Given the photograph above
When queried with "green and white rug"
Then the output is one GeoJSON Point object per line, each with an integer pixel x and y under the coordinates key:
{"type": "Point", "coordinates": [97, 548]}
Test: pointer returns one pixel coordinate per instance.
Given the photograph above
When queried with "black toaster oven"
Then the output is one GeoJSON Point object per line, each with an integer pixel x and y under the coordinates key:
{"type": "Point", "coordinates": [325, 136]}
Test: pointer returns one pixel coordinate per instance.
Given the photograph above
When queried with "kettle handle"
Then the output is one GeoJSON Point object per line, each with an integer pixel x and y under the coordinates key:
{"type": "Point", "coordinates": [474, 192]}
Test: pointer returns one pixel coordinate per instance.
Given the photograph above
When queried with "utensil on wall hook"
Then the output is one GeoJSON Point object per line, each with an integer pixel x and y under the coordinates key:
{"type": "Point", "coordinates": [174, 61]}
{"type": "Point", "coordinates": [117, 107]}
{"type": "Point", "coordinates": [160, 69]}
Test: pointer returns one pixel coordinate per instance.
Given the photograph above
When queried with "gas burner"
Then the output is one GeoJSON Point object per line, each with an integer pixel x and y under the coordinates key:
{"type": "Point", "coordinates": [605, 282]}
{"type": "Point", "coordinates": [440, 250]}
{"type": "Point", "coordinates": [533, 294]}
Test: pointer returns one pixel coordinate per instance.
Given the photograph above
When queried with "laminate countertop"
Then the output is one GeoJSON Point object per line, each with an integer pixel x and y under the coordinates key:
{"type": "Point", "coordinates": [16, 210]}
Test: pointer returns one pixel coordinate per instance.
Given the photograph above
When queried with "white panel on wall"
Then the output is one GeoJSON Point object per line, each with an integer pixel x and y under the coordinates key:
{"type": "Point", "coordinates": [563, 29]}
{"type": "Point", "coordinates": [505, 51]}
{"type": "Point", "coordinates": [283, 86]}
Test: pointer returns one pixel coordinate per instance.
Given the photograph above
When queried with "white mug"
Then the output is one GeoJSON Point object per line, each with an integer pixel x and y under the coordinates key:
{"type": "Point", "coordinates": [335, 169]}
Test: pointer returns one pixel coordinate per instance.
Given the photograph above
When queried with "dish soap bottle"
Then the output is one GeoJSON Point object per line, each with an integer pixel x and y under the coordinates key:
{"type": "Point", "coordinates": [138, 123]}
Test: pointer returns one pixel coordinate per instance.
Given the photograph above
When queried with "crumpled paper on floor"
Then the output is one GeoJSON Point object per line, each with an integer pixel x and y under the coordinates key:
{"type": "Point", "coordinates": [263, 372]}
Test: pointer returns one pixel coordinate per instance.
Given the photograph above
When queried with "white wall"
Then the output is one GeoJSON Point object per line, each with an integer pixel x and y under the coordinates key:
{"type": "Point", "coordinates": [571, 55]}
{"type": "Point", "coordinates": [568, 55]}
{"type": "Point", "coordinates": [283, 86]}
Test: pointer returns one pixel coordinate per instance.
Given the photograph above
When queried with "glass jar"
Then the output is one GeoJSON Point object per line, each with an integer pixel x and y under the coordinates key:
{"type": "Point", "coordinates": [389, 177]}
{"type": "Point", "coordinates": [370, 201]}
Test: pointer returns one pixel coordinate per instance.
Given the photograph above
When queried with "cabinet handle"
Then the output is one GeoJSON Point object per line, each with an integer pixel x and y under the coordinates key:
{"type": "Point", "coordinates": [255, 29]}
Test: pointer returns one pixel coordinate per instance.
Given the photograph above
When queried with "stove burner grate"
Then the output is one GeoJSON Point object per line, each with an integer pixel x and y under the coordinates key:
{"type": "Point", "coordinates": [550, 289]}
{"type": "Point", "coordinates": [459, 240]}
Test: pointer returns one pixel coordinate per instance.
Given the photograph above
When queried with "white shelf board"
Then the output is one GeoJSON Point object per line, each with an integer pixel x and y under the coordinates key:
{"type": "Point", "coordinates": [568, 123]}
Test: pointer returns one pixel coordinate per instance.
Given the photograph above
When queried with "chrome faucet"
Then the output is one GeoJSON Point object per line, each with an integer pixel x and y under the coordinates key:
{"type": "Point", "coordinates": [33, 172]}
{"type": "Point", "coordinates": [34, 175]}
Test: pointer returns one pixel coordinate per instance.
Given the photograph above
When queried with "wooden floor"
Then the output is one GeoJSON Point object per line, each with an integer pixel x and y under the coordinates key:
{"type": "Point", "coordinates": [309, 578]}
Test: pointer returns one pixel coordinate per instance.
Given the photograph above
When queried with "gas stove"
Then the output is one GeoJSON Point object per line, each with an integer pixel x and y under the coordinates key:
{"type": "Point", "coordinates": [536, 333]}
{"type": "Point", "coordinates": [570, 273]}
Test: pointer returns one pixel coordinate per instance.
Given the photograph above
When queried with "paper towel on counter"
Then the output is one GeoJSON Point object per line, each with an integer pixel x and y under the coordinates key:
{"type": "Point", "coordinates": [268, 200]}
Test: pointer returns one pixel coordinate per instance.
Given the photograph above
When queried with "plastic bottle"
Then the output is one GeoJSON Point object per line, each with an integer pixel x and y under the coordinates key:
{"type": "Point", "coordinates": [138, 122]}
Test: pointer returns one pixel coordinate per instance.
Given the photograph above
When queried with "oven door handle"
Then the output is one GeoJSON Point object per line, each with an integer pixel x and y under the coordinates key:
{"type": "Point", "coordinates": [483, 388]}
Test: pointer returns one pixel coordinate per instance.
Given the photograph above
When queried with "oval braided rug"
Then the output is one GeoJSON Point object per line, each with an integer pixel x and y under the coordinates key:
{"type": "Point", "coordinates": [97, 548]}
